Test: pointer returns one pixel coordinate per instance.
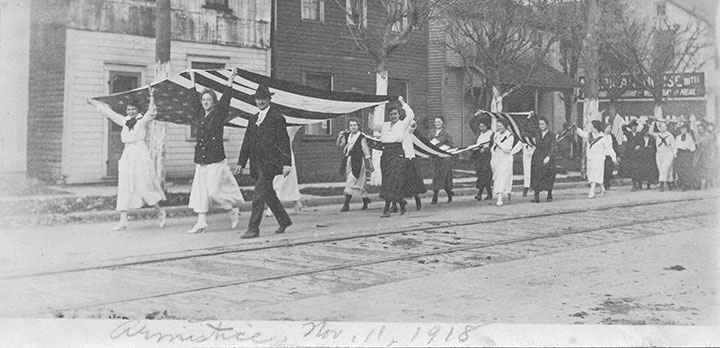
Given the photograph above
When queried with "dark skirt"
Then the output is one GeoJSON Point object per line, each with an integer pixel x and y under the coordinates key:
{"type": "Point", "coordinates": [392, 166]}
{"type": "Point", "coordinates": [684, 168]}
{"type": "Point", "coordinates": [542, 176]}
{"type": "Point", "coordinates": [609, 168]}
{"type": "Point", "coordinates": [413, 184]}
{"type": "Point", "coordinates": [442, 174]}
{"type": "Point", "coordinates": [483, 170]}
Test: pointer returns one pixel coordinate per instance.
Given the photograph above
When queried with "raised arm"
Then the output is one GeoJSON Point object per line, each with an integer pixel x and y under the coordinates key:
{"type": "Point", "coordinates": [580, 132]}
{"type": "Point", "coordinates": [106, 110]}
{"type": "Point", "coordinates": [340, 139]}
{"type": "Point", "coordinates": [224, 103]}
{"type": "Point", "coordinates": [409, 113]}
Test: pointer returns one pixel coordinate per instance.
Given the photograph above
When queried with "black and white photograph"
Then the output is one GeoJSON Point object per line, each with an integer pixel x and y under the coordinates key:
{"type": "Point", "coordinates": [359, 173]}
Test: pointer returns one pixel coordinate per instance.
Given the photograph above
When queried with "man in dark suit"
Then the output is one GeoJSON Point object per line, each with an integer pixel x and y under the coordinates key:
{"type": "Point", "coordinates": [267, 146]}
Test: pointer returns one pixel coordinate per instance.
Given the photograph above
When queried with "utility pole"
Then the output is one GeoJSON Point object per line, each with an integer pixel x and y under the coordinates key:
{"type": "Point", "coordinates": [158, 130]}
{"type": "Point", "coordinates": [591, 108]}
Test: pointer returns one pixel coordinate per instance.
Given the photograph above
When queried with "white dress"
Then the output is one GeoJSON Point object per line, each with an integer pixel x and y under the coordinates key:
{"type": "Point", "coordinates": [527, 151]}
{"type": "Point", "coordinates": [287, 187]}
{"type": "Point", "coordinates": [502, 162]}
{"type": "Point", "coordinates": [665, 155]}
{"type": "Point", "coordinates": [137, 182]}
{"type": "Point", "coordinates": [598, 146]}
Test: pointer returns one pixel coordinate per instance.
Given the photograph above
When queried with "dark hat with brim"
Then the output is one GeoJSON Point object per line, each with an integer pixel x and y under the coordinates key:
{"type": "Point", "coordinates": [262, 92]}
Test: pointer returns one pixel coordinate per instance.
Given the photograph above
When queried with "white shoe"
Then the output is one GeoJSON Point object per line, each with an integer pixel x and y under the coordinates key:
{"type": "Point", "coordinates": [591, 195]}
{"type": "Point", "coordinates": [198, 228]}
{"type": "Point", "coordinates": [120, 225]}
{"type": "Point", "coordinates": [162, 218]}
{"type": "Point", "coordinates": [298, 207]}
{"type": "Point", "coordinates": [602, 193]}
{"type": "Point", "coordinates": [234, 217]}
{"type": "Point", "coordinates": [499, 203]}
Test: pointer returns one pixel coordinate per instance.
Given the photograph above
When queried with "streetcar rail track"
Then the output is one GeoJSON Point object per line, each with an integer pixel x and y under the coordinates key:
{"type": "Point", "coordinates": [241, 248]}
{"type": "Point", "coordinates": [379, 260]}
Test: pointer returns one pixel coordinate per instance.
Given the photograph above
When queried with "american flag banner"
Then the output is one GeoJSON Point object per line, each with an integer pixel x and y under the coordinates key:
{"type": "Point", "coordinates": [178, 98]}
{"type": "Point", "coordinates": [424, 147]}
{"type": "Point", "coordinates": [523, 125]}
{"type": "Point", "coordinates": [565, 133]}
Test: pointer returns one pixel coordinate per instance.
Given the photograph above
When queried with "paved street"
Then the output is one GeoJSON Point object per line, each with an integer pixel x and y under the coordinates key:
{"type": "Point", "coordinates": [625, 258]}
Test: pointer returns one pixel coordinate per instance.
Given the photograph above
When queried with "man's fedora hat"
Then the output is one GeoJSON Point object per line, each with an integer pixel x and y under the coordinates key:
{"type": "Point", "coordinates": [262, 92]}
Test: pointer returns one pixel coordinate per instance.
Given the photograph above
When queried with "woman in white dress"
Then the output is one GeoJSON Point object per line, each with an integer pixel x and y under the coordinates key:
{"type": "Point", "coordinates": [137, 182]}
{"type": "Point", "coordinates": [287, 187]}
{"type": "Point", "coordinates": [598, 146]}
{"type": "Point", "coordinates": [665, 155]}
{"type": "Point", "coordinates": [503, 149]}
{"type": "Point", "coordinates": [213, 182]}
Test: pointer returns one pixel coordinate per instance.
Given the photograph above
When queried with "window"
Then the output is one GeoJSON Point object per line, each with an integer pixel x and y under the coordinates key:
{"type": "Point", "coordinates": [320, 81]}
{"type": "Point", "coordinates": [202, 65]}
{"type": "Point", "coordinates": [217, 4]}
{"type": "Point", "coordinates": [356, 13]}
{"type": "Point", "coordinates": [660, 9]}
{"type": "Point", "coordinates": [313, 10]}
{"type": "Point", "coordinates": [399, 10]}
{"type": "Point", "coordinates": [398, 87]}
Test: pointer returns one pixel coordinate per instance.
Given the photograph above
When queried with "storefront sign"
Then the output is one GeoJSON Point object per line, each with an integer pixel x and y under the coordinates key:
{"type": "Point", "coordinates": [678, 85]}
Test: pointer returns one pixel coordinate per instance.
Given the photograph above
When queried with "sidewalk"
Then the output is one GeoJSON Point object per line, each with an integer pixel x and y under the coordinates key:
{"type": "Point", "coordinates": [31, 208]}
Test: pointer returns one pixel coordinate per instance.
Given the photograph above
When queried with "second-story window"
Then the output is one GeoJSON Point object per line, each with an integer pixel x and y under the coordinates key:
{"type": "Point", "coordinates": [398, 8]}
{"type": "Point", "coordinates": [356, 13]}
{"type": "Point", "coordinates": [313, 10]}
{"type": "Point", "coordinates": [319, 81]}
{"type": "Point", "coordinates": [217, 4]}
{"type": "Point", "coordinates": [660, 9]}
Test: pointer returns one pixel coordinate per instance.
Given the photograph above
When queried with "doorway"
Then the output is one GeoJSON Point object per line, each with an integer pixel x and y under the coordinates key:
{"type": "Point", "coordinates": [120, 81]}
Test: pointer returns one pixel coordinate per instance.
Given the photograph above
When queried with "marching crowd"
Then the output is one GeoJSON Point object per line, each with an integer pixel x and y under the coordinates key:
{"type": "Point", "coordinates": [652, 155]}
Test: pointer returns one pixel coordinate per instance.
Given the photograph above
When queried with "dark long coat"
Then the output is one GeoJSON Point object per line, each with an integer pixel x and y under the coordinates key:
{"type": "Point", "coordinates": [542, 176]}
{"type": "Point", "coordinates": [442, 173]}
{"type": "Point", "coordinates": [266, 146]}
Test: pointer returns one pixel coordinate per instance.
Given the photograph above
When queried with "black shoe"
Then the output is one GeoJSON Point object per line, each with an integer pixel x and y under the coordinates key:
{"type": "Point", "coordinates": [434, 199]}
{"type": "Point", "coordinates": [450, 195]}
{"type": "Point", "coordinates": [478, 197]}
{"type": "Point", "coordinates": [535, 199]}
{"type": "Point", "coordinates": [366, 201]}
{"type": "Point", "coordinates": [393, 208]}
{"type": "Point", "coordinates": [250, 234]}
{"type": "Point", "coordinates": [385, 214]}
{"type": "Point", "coordinates": [418, 203]}
{"type": "Point", "coordinates": [282, 228]}
{"type": "Point", "coordinates": [489, 197]}
{"type": "Point", "coordinates": [345, 207]}
{"type": "Point", "coordinates": [403, 203]}
{"type": "Point", "coordinates": [549, 197]}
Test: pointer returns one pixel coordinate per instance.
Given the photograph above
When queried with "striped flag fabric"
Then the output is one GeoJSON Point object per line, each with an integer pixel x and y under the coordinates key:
{"type": "Point", "coordinates": [424, 147]}
{"type": "Point", "coordinates": [523, 125]}
{"type": "Point", "coordinates": [617, 130]}
{"type": "Point", "coordinates": [565, 133]}
{"type": "Point", "coordinates": [178, 98]}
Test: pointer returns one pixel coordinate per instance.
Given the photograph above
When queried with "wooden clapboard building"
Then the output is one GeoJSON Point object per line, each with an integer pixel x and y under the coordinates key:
{"type": "Point", "coordinates": [85, 48]}
{"type": "Point", "coordinates": [312, 45]}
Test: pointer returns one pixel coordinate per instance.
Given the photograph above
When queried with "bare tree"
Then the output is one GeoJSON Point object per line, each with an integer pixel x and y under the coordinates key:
{"type": "Point", "coordinates": [494, 38]}
{"type": "Point", "coordinates": [381, 36]}
{"type": "Point", "coordinates": [656, 48]}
